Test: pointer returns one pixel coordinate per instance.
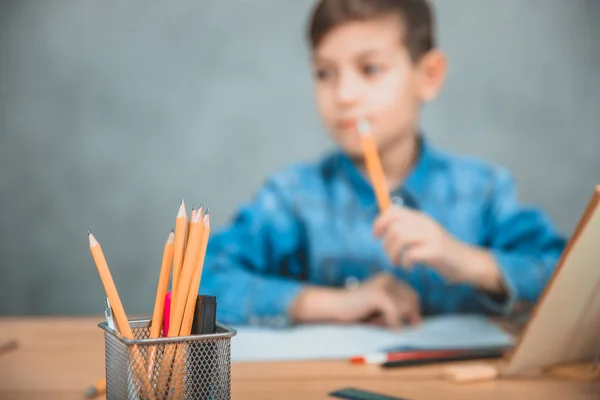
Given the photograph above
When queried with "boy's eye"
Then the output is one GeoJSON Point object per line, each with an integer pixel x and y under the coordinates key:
{"type": "Point", "coordinates": [323, 74]}
{"type": "Point", "coordinates": [371, 69]}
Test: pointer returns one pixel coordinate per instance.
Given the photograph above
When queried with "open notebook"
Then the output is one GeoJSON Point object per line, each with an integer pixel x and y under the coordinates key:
{"type": "Point", "coordinates": [330, 342]}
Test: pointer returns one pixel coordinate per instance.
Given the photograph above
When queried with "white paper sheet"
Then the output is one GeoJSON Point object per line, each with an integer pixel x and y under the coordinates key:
{"type": "Point", "coordinates": [326, 342]}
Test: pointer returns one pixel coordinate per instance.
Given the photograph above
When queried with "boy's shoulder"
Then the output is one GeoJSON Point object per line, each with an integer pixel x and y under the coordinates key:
{"type": "Point", "coordinates": [305, 174]}
{"type": "Point", "coordinates": [470, 172]}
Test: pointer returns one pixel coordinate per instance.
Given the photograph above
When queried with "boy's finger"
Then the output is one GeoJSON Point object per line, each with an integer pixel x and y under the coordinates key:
{"type": "Point", "coordinates": [389, 312]}
{"type": "Point", "coordinates": [416, 254]}
{"type": "Point", "coordinates": [397, 247]}
{"type": "Point", "coordinates": [414, 317]}
{"type": "Point", "coordinates": [394, 237]}
{"type": "Point", "coordinates": [383, 222]}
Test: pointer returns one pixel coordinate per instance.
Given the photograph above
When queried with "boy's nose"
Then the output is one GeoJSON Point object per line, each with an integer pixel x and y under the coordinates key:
{"type": "Point", "coordinates": [348, 90]}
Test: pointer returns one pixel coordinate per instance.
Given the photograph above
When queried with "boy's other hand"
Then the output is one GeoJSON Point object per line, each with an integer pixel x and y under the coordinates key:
{"type": "Point", "coordinates": [382, 300]}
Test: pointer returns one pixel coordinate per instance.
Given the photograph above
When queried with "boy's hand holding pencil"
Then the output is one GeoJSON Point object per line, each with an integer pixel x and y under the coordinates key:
{"type": "Point", "coordinates": [411, 237]}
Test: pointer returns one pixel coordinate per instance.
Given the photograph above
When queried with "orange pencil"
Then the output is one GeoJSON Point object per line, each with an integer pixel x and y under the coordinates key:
{"type": "Point", "coordinates": [118, 310]}
{"type": "Point", "coordinates": [180, 239]}
{"type": "Point", "coordinates": [188, 317]}
{"type": "Point", "coordinates": [373, 164]}
{"type": "Point", "coordinates": [189, 227]}
{"type": "Point", "coordinates": [159, 302]}
{"type": "Point", "coordinates": [187, 271]}
{"type": "Point", "coordinates": [178, 304]}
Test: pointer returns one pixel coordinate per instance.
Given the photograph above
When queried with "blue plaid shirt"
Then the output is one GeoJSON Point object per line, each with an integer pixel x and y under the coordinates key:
{"type": "Point", "coordinates": [313, 223]}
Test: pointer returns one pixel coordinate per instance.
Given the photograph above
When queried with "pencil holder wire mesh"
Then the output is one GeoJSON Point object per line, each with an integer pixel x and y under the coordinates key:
{"type": "Point", "coordinates": [187, 367]}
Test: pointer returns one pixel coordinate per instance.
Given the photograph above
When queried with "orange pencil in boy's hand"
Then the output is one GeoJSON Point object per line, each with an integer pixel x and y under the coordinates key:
{"type": "Point", "coordinates": [373, 164]}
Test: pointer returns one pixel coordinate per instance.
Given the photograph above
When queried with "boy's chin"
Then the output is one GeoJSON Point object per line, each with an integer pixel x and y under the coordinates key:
{"type": "Point", "coordinates": [353, 152]}
{"type": "Point", "coordinates": [350, 146]}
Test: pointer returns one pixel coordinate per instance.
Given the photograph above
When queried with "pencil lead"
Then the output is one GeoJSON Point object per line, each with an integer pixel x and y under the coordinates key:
{"type": "Point", "coordinates": [89, 233]}
{"type": "Point", "coordinates": [207, 211]}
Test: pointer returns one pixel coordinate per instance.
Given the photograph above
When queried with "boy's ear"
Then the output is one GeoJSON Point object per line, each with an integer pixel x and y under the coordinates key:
{"type": "Point", "coordinates": [432, 74]}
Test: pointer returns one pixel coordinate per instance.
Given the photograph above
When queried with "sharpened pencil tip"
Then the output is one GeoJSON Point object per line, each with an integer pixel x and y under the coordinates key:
{"type": "Point", "coordinates": [89, 233]}
{"type": "Point", "coordinates": [172, 230]}
{"type": "Point", "coordinates": [182, 202]}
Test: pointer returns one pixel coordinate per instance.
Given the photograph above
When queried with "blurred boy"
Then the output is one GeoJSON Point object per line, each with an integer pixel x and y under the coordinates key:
{"type": "Point", "coordinates": [312, 245]}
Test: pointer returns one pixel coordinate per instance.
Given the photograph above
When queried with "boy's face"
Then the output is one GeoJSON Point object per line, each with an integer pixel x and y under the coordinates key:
{"type": "Point", "coordinates": [362, 69]}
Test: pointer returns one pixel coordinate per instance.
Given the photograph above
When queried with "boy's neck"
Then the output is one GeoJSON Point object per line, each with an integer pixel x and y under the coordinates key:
{"type": "Point", "coordinates": [398, 158]}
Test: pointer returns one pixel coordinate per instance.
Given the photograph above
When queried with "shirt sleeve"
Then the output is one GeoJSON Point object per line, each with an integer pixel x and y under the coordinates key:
{"type": "Point", "coordinates": [240, 261]}
{"type": "Point", "coordinates": [523, 242]}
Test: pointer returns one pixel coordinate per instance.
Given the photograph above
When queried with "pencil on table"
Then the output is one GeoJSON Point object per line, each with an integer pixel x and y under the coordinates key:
{"type": "Point", "coordinates": [373, 164]}
{"type": "Point", "coordinates": [159, 302]}
{"type": "Point", "coordinates": [118, 310]}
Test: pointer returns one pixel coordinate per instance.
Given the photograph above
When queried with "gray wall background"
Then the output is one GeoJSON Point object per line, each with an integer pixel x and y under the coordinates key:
{"type": "Point", "coordinates": [112, 111]}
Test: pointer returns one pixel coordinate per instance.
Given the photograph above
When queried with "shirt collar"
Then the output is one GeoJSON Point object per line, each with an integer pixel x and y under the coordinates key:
{"type": "Point", "coordinates": [412, 191]}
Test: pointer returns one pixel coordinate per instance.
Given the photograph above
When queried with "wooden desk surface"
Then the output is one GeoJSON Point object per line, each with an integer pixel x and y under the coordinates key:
{"type": "Point", "coordinates": [58, 358]}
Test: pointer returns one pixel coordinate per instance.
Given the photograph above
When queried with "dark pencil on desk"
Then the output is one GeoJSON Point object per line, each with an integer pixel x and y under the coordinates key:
{"type": "Point", "coordinates": [462, 356]}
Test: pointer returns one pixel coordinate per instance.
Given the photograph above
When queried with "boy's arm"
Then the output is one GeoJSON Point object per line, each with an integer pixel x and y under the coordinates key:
{"type": "Point", "coordinates": [522, 243]}
{"type": "Point", "coordinates": [240, 261]}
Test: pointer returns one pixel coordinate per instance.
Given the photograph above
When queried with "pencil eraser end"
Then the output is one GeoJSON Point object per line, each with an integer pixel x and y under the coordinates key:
{"type": "Point", "coordinates": [470, 373]}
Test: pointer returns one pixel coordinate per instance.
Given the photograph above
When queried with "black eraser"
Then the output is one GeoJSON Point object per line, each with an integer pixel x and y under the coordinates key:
{"type": "Point", "coordinates": [205, 316]}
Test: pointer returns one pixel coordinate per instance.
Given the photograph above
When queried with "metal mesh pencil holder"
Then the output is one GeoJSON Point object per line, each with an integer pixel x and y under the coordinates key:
{"type": "Point", "coordinates": [186, 367]}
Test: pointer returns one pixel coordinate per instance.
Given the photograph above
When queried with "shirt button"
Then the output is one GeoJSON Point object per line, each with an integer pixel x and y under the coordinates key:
{"type": "Point", "coordinates": [352, 282]}
{"type": "Point", "coordinates": [397, 200]}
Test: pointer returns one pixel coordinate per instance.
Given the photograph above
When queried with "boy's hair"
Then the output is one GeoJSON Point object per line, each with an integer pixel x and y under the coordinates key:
{"type": "Point", "coordinates": [416, 17]}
